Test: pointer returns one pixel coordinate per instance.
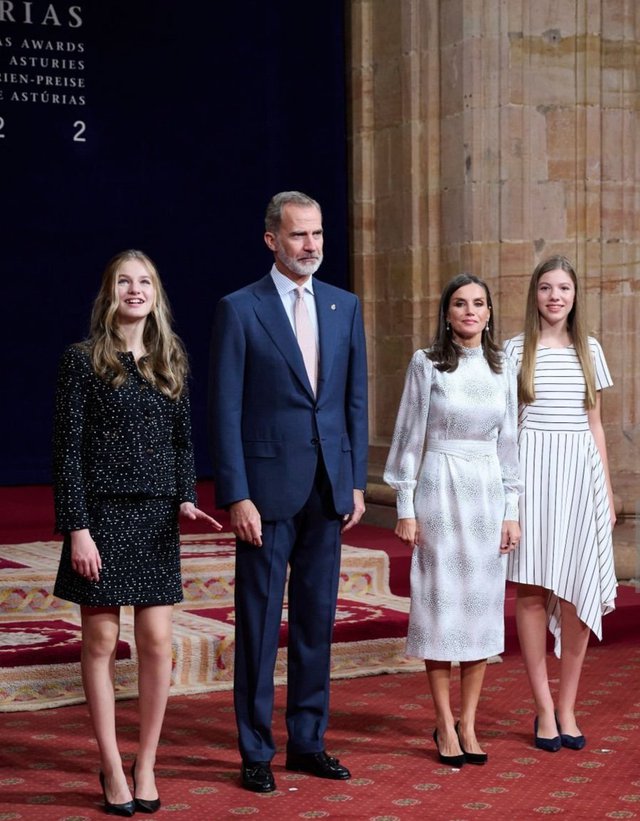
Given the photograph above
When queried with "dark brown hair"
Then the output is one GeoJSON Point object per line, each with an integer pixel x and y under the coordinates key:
{"type": "Point", "coordinates": [444, 351]}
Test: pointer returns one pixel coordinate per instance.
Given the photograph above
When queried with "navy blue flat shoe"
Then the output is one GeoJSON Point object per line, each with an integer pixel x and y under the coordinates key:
{"type": "Point", "coordinates": [571, 742]}
{"type": "Point", "coordinates": [549, 745]}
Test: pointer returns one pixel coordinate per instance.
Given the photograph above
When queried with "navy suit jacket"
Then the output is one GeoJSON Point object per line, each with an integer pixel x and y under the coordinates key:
{"type": "Point", "coordinates": [267, 426]}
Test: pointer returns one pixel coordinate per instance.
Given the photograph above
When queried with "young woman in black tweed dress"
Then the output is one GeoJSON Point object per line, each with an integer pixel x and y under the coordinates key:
{"type": "Point", "coordinates": [123, 474]}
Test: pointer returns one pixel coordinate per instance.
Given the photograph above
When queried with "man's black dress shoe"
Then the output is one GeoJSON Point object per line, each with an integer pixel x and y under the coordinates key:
{"type": "Point", "coordinates": [318, 764]}
{"type": "Point", "coordinates": [258, 777]}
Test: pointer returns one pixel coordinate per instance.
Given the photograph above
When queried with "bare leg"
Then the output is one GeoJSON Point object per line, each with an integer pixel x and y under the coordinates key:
{"type": "Point", "coordinates": [575, 636]}
{"type": "Point", "coordinates": [100, 631]}
{"type": "Point", "coordinates": [531, 618]}
{"type": "Point", "coordinates": [439, 674]}
{"type": "Point", "coordinates": [471, 678]}
{"type": "Point", "coordinates": [153, 642]}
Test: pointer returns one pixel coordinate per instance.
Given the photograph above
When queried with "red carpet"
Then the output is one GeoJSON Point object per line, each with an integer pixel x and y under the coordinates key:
{"type": "Point", "coordinates": [381, 728]}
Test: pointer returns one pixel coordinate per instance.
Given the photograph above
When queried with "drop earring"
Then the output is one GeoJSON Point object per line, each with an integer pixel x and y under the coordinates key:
{"type": "Point", "coordinates": [448, 325]}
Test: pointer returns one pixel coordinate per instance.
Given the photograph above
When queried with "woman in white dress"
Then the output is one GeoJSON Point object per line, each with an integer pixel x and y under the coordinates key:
{"type": "Point", "coordinates": [453, 462]}
{"type": "Point", "coordinates": [564, 567]}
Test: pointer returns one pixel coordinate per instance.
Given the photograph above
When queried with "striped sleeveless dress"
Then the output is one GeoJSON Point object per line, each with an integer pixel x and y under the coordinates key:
{"type": "Point", "coordinates": [566, 544]}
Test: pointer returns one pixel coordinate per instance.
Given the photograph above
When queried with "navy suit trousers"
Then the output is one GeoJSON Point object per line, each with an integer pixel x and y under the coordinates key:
{"type": "Point", "coordinates": [309, 545]}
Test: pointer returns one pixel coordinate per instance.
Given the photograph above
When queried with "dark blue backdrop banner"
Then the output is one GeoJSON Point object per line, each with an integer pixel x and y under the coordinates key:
{"type": "Point", "coordinates": [159, 125]}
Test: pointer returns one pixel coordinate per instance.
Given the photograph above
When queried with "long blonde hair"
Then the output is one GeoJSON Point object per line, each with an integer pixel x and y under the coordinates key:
{"type": "Point", "coordinates": [577, 331]}
{"type": "Point", "coordinates": [165, 366]}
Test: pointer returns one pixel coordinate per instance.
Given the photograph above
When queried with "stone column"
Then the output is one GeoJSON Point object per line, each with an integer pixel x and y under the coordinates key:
{"type": "Point", "coordinates": [486, 136]}
{"type": "Point", "coordinates": [395, 159]}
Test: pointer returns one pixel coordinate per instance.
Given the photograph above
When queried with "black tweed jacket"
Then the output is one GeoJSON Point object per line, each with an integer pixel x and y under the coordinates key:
{"type": "Point", "coordinates": [129, 441]}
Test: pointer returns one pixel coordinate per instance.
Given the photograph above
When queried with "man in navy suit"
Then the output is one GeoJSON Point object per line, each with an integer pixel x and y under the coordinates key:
{"type": "Point", "coordinates": [290, 464]}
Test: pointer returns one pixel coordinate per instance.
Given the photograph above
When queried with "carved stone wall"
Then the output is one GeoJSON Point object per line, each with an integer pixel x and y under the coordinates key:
{"type": "Point", "coordinates": [486, 136]}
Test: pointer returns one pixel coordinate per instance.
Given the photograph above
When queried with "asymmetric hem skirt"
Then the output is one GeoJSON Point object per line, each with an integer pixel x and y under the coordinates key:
{"type": "Point", "coordinates": [566, 545]}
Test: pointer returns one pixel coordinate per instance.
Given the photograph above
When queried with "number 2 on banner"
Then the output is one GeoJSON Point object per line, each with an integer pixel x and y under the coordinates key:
{"type": "Point", "coordinates": [2, 128]}
{"type": "Point", "coordinates": [77, 137]}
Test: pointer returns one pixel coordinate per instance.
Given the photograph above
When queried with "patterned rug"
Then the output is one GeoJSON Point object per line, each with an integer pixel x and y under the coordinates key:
{"type": "Point", "coordinates": [40, 635]}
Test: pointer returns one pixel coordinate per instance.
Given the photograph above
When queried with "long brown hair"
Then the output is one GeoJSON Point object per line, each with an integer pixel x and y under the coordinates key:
{"type": "Point", "coordinates": [575, 325]}
{"type": "Point", "coordinates": [165, 366]}
{"type": "Point", "coordinates": [444, 351]}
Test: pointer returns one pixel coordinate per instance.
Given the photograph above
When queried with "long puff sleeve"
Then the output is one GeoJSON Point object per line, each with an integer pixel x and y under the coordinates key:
{"type": "Point", "coordinates": [409, 436]}
{"type": "Point", "coordinates": [507, 444]}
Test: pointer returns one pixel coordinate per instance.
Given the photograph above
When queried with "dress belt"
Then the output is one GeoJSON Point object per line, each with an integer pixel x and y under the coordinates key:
{"type": "Point", "coordinates": [464, 448]}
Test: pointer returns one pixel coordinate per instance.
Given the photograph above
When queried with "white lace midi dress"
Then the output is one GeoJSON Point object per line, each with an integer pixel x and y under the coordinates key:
{"type": "Point", "coordinates": [566, 543]}
{"type": "Point", "coordinates": [453, 462]}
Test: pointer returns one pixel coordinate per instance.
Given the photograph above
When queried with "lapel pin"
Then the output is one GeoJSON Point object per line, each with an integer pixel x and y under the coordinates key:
{"type": "Point", "coordinates": [333, 307]}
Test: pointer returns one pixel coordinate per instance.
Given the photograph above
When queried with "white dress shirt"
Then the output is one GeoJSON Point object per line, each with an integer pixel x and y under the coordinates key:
{"type": "Point", "coordinates": [287, 290]}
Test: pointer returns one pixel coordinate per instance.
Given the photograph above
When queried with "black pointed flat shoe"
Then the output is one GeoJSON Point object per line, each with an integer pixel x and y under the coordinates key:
{"type": "Point", "coordinates": [449, 760]}
{"type": "Point", "coordinates": [471, 758]}
{"type": "Point", "coordinates": [148, 805]}
{"type": "Point", "coordinates": [125, 810]}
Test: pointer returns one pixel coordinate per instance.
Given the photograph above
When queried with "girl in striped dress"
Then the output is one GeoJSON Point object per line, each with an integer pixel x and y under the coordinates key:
{"type": "Point", "coordinates": [564, 567]}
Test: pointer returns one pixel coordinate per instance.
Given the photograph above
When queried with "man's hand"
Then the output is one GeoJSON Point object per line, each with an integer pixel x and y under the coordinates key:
{"type": "Point", "coordinates": [356, 514]}
{"type": "Point", "coordinates": [85, 558]}
{"type": "Point", "coordinates": [246, 522]}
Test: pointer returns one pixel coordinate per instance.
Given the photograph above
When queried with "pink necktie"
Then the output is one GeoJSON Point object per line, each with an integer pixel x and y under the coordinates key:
{"type": "Point", "coordinates": [306, 337]}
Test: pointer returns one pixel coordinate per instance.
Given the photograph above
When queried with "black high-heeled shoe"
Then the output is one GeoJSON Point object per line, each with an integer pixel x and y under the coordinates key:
{"type": "Point", "coordinates": [471, 758]}
{"type": "Point", "coordinates": [571, 742]}
{"type": "Point", "coordinates": [143, 804]}
{"type": "Point", "coordinates": [449, 760]}
{"type": "Point", "coordinates": [126, 810]}
{"type": "Point", "coordinates": [549, 745]}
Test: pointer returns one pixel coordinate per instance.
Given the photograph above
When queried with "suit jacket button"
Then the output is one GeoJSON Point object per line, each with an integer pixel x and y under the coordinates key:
{"type": "Point", "coordinates": [314, 441]}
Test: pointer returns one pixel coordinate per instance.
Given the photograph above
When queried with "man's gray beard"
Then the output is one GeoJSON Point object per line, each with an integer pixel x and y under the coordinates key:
{"type": "Point", "coordinates": [297, 267]}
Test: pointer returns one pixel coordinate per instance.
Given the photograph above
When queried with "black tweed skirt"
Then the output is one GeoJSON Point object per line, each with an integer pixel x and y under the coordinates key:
{"type": "Point", "coordinates": [139, 544]}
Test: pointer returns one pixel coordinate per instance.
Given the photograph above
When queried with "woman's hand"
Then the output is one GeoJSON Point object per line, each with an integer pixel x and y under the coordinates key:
{"type": "Point", "coordinates": [85, 558]}
{"type": "Point", "coordinates": [407, 530]}
{"type": "Point", "coordinates": [510, 537]}
{"type": "Point", "coordinates": [190, 511]}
